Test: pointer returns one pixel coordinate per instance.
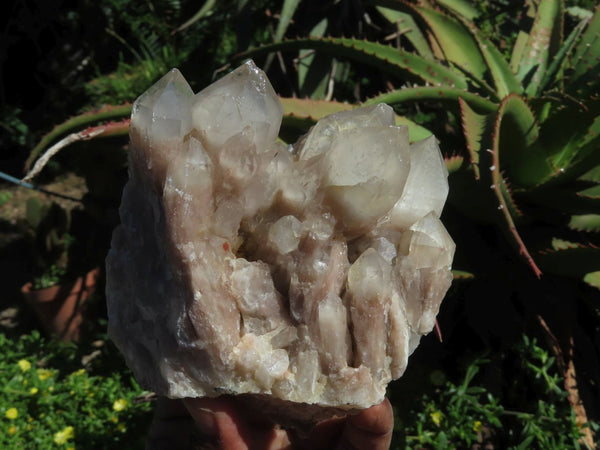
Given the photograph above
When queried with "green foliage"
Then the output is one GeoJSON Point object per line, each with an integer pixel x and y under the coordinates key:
{"type": "Point", "coordinates": [466, 414]}
{"type": "Point", "coordinates": [49, 400]}
{"type": "Point", "coordinates": [457, 418]}
{"type": "Point", "coordinates": [52, 277]}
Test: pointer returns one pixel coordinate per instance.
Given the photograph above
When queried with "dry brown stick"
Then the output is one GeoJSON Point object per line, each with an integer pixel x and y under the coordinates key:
{"type": "Point", "coordinates": [567, 368]}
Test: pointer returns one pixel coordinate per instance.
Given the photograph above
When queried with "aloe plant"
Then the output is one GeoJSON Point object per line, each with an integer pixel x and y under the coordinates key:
{"type": "Point", "coordinates": [527, 136]}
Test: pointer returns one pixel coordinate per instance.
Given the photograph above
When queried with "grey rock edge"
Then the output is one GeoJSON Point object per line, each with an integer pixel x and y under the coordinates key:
{"type": "Point", "coordinates": [306, 274]}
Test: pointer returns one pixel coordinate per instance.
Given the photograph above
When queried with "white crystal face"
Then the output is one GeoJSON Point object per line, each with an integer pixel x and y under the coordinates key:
{"type": "Point", "coordinates": [163, 111]}
{"type": "Point", "coordinates": [308, 275]}
{"type": "Point", "coordinates": [242, 100]}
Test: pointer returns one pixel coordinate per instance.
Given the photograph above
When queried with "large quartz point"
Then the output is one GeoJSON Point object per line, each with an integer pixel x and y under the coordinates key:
{"type": "Point", "coordinates": [305, 274]}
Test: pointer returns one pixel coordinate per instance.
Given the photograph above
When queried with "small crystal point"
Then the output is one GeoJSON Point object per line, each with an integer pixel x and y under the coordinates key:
{"type": "Point", "coordinates": [163, 110]}
{"type": "Point", "coordinates": [243, 98]}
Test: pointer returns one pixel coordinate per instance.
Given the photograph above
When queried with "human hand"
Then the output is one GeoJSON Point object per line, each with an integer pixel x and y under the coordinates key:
{"type": "Point", "coordinates": [226, 424]}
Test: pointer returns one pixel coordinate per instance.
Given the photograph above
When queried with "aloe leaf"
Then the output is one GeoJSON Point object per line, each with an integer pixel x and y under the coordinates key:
{"type": "Point", "coordinates": [507, 205]}
{"type": "Point", "coordinates": [562, 135]}
{"type": "Point", "coordinates": [454, 163]}
{"type": "Point", "coordinates": [477, 131]}
{"type": "Point", "coordinates": [559, 61]}
{"type": "Point", "coordinates": [592, 175]}
{"type": "Point", "coordinates": [485, 148]}
{"type": "Point", "coordinates": [313, 69]}
{"type": "Point", "coordinates": [109, 112]}
{"type": "Point", "coordinates": [504, 79]}
{"type": "Point", "coordinates": [542, 44]}
{"type": "Point", "coordinates": [586, 155]}
{"type": "Point", "coordinates": [302, 113]}
{"type": "Point", "coordinates": [407, 27]}
{"type": "Point", "coordinates": [585, 222]}
{"type": "Point", "coordinates": [462, 275]}
{"type": "Point", "coordinates": [462, 8]}
{"type": "Point", "coordinates": [518, 50]}
{"type": "Point", "coordinates": [593, 279]}
{"type": "Point", "coordinates": [525, 160]}
{"type": "Point", "coordinates": [439, 93]}
{"type": "Point", "coordinates": [567, 201]}
{"type": "Point", "coordinates": [585, 62]}
{"type": "Point", "coordinates": [394, 61]}
{"type": "Point", "coordinates": [571, 259]}
{"type": "Point", "coordinates": [204, 11]}
{"type": "Point", "coordinates": [287, 12]}
{"type": "Point", "coordinates": [455, 40]}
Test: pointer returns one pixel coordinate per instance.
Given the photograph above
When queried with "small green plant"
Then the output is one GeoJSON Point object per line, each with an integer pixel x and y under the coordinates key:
{"type": "Point", "coordinates": [49, 400]}
{"type": "Point", "coordinates": [459, 417]}
{"type": "Point", "coordinates": [51, 278]}
{"type": "Point", "coordinates": [462, 415]}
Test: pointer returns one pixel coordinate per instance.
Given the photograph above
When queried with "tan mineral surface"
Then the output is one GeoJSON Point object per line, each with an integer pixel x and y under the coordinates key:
{"type": "Point", "coordinates": [304, 273]}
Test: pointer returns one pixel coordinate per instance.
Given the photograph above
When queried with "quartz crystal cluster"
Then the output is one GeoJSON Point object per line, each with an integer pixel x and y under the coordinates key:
{"type": "Point", "coordinates": [304, 273]}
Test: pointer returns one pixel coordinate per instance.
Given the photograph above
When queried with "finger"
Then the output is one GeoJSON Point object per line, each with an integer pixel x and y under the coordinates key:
{"type": "Point", "coordinates": [371, 428]}
{"type": "Point", "coordinates": [171, 426]}
{"type": "Point", "coordinates": [229, 425]}
{"type": "Point", "coordinates": [323, 436]}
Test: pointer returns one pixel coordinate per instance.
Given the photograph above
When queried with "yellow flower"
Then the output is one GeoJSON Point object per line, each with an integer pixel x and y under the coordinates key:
{"type": "Point", "coordinates": [12, 413]}
{"type": "Point", "coordinates": [44, 374]}
{"type": "Point", "coordinates": [61, 437]}
{"type": "Point", "coordinates": [25, 382]}
{"type": "Point", "coordinates": [113, 419]}
{"type": "Point", "coordinates": [78, 372]}
{"type": "Point", "coordinates": [24, 365]}
{"type": "Point", "coordinates": [51, 388]}
{"type": "Point", "coordinates": [12, 430]}
{"type": "Point", "coordinates": [436, 416]}
{"type": "Point", "coordinates": [33, 390]}
{"type": "Point", "coordinates": [120, 405]}
{"type": "Point", "coordinates": [477, 426]}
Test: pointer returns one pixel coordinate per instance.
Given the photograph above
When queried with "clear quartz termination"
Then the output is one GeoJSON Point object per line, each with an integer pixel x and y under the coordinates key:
{"type": "Point", "coordinates": [307, 274]}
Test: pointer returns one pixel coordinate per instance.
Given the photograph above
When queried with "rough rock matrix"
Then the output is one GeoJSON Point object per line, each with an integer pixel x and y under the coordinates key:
{"type": "Point", "coordinates": [306, 273]}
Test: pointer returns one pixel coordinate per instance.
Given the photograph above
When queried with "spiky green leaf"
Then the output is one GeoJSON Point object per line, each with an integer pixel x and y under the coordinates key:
{"type": "Point", "coordinates": [407, 28]}
{"type": "Point", "coordinates": [593, 279]}
{"type": "Point", "coordinates": [314, 70]}
{"type": "Point", "coordinates": [454, 163]}
{"type": "Point", "coordinates": [543, 42]}
{"type": "Point", "coordinates": [586, 60]}
{"type": "Point", "coordinates": [553, 76]}
{"type": "Point", "coordinates": [585, 222]}
{"type": "Point", "coordinates": [592, 175]}
{"type": "Point", "coordinates": [477, 129]}
{"type": "Point", "coordinates": [567, 200]}
{"type": "Point", "coordinates": [462, 275]}
{"type": "Point", "coordinates": [106, 113]}
{"type": "Point", "coordinates": [524, 160]}
{"type": "Point", "coordinates": [504, 79]}
{"type": "Point", "coordinates": [438, 94]}
{"type": "Point", "coordinates": [461, 8]}
{"type": "Point", "coordinates": [510, 109]}
{"type": "Point", "coordinates": [455, 40]}
{"type": "Point", "coordinates": [396, 62]}
{"type": "Point", "coordinates": [571, 259]}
